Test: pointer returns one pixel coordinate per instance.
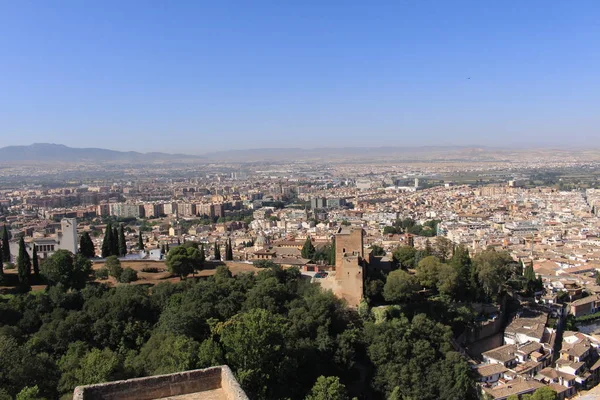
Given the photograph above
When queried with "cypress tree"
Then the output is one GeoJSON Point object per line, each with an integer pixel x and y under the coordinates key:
{"type": "Point", "coordinates": [114, 244]}
{"type": "Point", "coordinates": [35, 262]}
{"type": "Point", "coordinates": [461, 262]}
{"type": "Point", "coordinates": [229, 251]}
{"type": "Point", "coordinates": [202, 256]}
{"type": "Point", "coordinates": [308, 250]}
{"type": "Point", "coordinates": [106, 245]}
{"type": "Point", "coordinates": [1, 264]}
{"type": "Point", "coordinates": [86, 246]}
{"type": "Point", "coordinates": [5, 245]}
{"type": "Point", "coordinates": [91, 247]}
{"type": "Point", "coordinates": [23, 264]}
{"type": "Point", "coordinates": [428, 249]}
{"type": "Point", "coordinates": [162, 249]}
{"type": "Point", "coordinates": [331, 260]}
{"type": "Point", "coordinates": [178, 241]}
{"type": "Point", "coordinates": [140, 242]}
{"type": "Point", "coordinates": [167, 248]}
{"type": "Point", "coordinates": [122, 242]}
{"type": "Point", "coordinates": [529, 273]}
{"type": "Point", "coordinates": [82, 244]}
{"type": "Point", "coordinates": [217, 251]}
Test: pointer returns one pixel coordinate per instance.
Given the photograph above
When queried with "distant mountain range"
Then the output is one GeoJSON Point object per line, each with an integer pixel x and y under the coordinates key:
{"type": "Point", "coordinates": [51, 153]}
{"type": "Point", "coordinates": [55, 153]}
{"type": "Point", "coordinates": [48, 152]}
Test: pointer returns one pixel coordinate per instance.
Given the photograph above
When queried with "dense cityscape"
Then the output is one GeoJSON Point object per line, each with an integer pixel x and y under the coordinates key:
{"type": "Point", "coordinates": [501, 261]}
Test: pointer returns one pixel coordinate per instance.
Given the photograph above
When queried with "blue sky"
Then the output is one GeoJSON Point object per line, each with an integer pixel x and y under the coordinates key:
{"type": "Point", "coordinates": [200, 76]}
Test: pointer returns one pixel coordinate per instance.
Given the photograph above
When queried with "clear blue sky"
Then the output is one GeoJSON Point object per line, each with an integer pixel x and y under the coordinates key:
{"type": "Point", "coordinates": [198, 76]}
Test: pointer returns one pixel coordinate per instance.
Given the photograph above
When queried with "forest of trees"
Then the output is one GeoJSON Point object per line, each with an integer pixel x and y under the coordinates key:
{"type": "Point", "coordinates": [282, 336]}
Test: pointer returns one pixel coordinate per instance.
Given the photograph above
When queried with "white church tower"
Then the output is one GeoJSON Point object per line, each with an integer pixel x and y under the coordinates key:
{"type": "Point", "coordinates": [68, 240]}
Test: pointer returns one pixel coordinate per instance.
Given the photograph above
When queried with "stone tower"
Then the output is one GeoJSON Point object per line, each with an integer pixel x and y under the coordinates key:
{"type": "Point", "coordinates": [349, 274]}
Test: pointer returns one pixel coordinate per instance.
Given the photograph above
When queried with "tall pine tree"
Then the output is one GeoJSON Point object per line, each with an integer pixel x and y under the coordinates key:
{"type": "Point", "coordinates": [35, 262]}
{"type": "Point", "coordinates": [5, 245]}
{"type": "Point", "coordinates": [23, 264]}
{"type": "Point", "coordinates": [106, 243]}
{"type": "Point", "coordinates": [122, 242]}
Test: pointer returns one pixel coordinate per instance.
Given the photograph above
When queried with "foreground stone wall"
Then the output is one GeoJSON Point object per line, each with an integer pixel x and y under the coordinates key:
{"type": "Point", "coordinates": [154, 387]}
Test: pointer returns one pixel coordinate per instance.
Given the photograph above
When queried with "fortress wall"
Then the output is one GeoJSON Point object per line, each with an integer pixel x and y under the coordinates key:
{"type": "Point", "coordinates": [154, 387]}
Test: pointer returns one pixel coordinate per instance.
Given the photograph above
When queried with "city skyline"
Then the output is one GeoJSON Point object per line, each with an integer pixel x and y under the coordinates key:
{"type": "Point", "coordinates": [198, 78]}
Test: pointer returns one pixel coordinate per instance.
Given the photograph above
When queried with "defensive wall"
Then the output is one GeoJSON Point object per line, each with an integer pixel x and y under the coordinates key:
{"type": "Point", "coordinates": [210, 383]}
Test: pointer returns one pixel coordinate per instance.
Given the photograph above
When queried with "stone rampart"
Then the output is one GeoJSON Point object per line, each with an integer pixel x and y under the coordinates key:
{"type": "Point", "coordinates": [159, 386]}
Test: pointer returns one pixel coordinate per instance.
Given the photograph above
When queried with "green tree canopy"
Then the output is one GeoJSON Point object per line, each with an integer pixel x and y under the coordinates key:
{"type": "Point", "coordinates": [166, 353]}
{"type": "Point", "coordinates": [377, 250]}
{"type": "Point", "coordinates": [405, 256]}
{"type": "Point", "coordinates": [65, 269]}
{"type": "Point", "coordinates": [129, 275]}
{"type": "Point", "coordinates": [493, 270]}
{"type": "Point", "coordinates": [544, 393]}
{"type": "Point", "coordinates": [428, 271]}
{"type": "Point", "coordinates": [183, 261]}
{"type": "Point", "coordinates": [400, 286]}
{"type": "Point", "coordinates": [328, 388]}
{"type": "Point", "coordinates": [29, 393]}
{"type": "Point", "coordinates": [254, 344]}
{"type": "Point", "coordinates": [113, 264]}
{"type": "Point", "coordinates": [93, 366]}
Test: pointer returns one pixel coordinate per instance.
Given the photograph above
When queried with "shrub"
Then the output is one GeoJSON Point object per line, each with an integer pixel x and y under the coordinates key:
{"type": "Point", "coordinates": [128, 275]}
{"type": "Point", "coordinates": [264, 264]}
{"type": "Point", "coordinates": [102, 273]}
{"type": "Point", "coordinates": [114, 267]}
{"type": "Point", "coordinates": [152, 270]}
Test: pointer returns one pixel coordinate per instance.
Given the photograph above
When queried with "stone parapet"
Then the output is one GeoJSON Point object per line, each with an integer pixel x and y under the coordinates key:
{"type": "Point", "coordinates": [160, 386]}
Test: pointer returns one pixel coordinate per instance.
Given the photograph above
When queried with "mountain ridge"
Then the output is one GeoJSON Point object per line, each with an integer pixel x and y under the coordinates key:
{"type": "Point", "coordinates": [52, 152]}
{"type": "Point", "coordinates": [60, 153]}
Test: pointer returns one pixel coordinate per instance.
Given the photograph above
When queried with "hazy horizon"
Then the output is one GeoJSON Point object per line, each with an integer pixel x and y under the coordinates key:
{"type": "Point", "coordinates": [198, 78]}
